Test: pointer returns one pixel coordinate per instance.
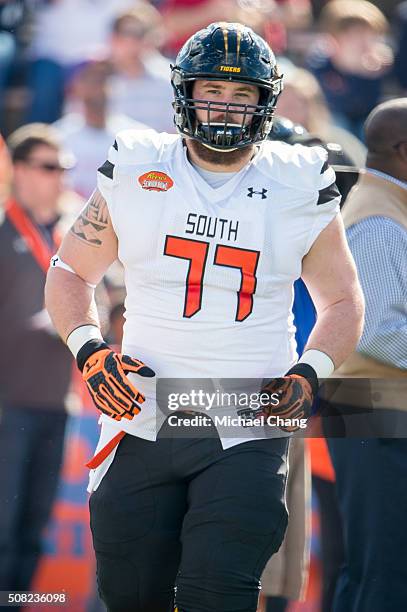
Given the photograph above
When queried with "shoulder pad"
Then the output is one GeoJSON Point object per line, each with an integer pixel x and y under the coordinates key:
{"type": "Point", "coordinates": [144, 146]}
{"type": "Point", "coordinates": [293, 165]}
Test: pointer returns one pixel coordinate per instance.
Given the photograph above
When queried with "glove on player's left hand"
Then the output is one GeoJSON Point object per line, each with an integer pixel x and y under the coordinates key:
{"type": "Point", "coordinates": [296, 397]}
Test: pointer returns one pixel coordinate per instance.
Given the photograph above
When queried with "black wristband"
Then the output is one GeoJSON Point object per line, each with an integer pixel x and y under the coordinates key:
{"type": "Point", "coordinates": [308, 372]}
{"type": "Point", "coordinates": [90, 347]}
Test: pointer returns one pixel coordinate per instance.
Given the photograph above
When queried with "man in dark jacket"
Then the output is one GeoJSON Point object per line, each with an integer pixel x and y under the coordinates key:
{"type": "Point", "coordinates": [35, 366]}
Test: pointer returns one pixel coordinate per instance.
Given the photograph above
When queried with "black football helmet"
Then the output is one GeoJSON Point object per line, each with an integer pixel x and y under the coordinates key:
{"type": "Point", "coordinates": [225, 52]}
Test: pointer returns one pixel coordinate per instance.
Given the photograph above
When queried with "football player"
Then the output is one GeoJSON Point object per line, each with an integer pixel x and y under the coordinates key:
{"type": "Point", "coordinates": [213, 225]}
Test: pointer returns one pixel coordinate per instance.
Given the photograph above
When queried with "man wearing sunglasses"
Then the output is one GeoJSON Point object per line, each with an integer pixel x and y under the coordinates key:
{"type": "Point", "coordinates": [213, 226]}
{"type": "Point", "coordinates": [35, 367]}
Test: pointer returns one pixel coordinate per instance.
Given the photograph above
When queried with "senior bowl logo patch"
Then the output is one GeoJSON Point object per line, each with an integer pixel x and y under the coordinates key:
{"type": "Point", "coordinates": [155, 181]}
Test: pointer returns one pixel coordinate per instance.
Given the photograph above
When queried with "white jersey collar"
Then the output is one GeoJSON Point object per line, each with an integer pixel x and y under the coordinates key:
{"type": "Point", "coordinates": [213, 194]}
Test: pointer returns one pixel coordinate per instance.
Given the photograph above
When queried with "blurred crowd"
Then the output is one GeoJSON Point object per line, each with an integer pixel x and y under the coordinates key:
{"type": "Point", "coordinates": [94, 67]}
{"type": "Point", "coordinates": [75, 72]}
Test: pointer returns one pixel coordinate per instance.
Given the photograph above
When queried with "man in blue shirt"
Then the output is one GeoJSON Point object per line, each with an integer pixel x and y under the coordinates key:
{"type": "Point", "coordinates": [371, 472]}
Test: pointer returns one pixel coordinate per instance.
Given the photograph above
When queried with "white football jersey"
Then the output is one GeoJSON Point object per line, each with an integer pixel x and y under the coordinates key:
{"type": "Point", "coordinates": [210, 271]}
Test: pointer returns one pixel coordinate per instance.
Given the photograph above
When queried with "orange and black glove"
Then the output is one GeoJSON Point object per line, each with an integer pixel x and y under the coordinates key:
{"type": "Point", "coordinates": [295, 392]}
{"type": "Point", "coordinates": [104, 373]}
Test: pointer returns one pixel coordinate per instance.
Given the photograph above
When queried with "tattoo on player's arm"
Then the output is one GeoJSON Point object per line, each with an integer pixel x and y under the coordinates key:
{"type": "Point", "coordinates": [90, 224]}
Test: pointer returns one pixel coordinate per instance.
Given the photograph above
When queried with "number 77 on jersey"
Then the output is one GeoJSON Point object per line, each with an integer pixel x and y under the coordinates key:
{"type": "Point", "coordinates": [196, 252]}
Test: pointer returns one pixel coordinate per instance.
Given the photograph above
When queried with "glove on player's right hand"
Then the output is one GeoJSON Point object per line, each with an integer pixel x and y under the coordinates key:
{"type": "Point", "coordinates": [104, 373]}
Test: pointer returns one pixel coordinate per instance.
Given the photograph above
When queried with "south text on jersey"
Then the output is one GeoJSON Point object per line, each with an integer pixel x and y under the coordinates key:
{"type": "Point", "coordinates": [211, 227]}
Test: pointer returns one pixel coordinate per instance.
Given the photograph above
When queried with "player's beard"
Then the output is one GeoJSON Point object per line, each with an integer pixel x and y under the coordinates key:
{"type": "Point", "coordinates": [219, 158]}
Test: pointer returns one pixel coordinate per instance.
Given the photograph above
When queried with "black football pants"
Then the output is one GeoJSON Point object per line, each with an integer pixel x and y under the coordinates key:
{"type": "Point", "coordinates": [185, 513]}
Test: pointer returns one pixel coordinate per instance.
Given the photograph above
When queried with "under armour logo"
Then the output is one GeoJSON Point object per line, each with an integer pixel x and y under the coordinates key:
{"type": "Point", "coordinates": [54, 260]}
{"type": "Point", "coordinates": [261, 193]}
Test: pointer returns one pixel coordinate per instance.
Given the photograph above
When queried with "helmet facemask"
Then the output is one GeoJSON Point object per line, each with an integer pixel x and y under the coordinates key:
{"type": "Point", "coordinates": [227, 134]}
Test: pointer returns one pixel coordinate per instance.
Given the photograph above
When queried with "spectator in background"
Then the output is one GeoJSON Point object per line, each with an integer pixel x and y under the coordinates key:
{"type": "Point", "coordinates": [89, 132]}
{"type": "Point", "coordinates": [302, 101]}
{"type": "Point", "coordinates": [351, 60]}
{"type": "Point", "coordinates": [35, 366]}
{"type": "Point", "coordinates": [288, 17]}
{"type": "Point", "coordinates": [373, 497]}
{"type": "Point", "coordinates": [66, 33]}
{"type": "Point", "coordinates": [139, 85]}
{"type": "Point", "coordinates": [294, 13]}
{"type": "Point", "coordinates": [387, 7]}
